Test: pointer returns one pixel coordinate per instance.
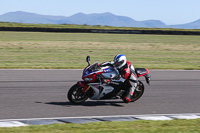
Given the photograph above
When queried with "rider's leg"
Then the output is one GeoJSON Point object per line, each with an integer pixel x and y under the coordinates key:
{"type": "Point", "coordinates": [130, 90]}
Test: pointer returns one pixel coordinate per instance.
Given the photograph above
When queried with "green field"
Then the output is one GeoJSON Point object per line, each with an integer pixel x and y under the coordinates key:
{"type": "Point", "coordinates": [41, 50]}
{"type": "Point", "coordinates": [139, 126]}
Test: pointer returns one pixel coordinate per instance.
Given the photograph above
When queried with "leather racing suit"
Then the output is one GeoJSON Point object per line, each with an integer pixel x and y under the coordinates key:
{"type": "Point", "coordinates": [127, 72]}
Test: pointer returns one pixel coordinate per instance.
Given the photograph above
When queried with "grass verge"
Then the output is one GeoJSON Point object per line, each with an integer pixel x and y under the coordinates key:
{"type": "Point", "coordinates": [139, 126]}
{"type": "Point", "coordinates": [40, 50]}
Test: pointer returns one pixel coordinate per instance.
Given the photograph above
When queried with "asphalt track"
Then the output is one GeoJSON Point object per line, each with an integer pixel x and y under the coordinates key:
{"type": "Point", "coordinates": [42, 94]}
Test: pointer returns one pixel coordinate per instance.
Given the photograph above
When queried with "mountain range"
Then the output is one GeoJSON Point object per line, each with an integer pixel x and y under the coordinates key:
{"type": "Point", "coordinates": [105, 19]}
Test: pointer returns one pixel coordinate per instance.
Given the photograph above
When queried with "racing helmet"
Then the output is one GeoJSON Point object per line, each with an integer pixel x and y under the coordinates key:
{"type": "Point", "coordinates": [119, 61]}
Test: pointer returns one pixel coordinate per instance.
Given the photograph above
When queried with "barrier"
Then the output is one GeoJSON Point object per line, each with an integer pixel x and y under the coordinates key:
{"type": "Point", "coordinates": [74, 30]}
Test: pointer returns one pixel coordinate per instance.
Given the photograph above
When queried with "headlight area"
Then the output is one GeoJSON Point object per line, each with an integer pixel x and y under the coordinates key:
{"type": "Point", "coordinates": [88, 79]}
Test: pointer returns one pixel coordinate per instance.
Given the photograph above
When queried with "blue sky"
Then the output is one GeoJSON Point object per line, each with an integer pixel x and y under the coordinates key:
{"type": "Point", "coordinates": [168, 11]}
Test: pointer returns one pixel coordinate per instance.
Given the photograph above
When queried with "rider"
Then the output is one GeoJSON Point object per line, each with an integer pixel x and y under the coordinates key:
{"type": "Point", "coordinates": [127, 72]}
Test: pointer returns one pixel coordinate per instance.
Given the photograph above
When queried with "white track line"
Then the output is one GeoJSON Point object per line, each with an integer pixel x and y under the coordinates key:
{"type": "Point", "coordinates": [90, 117]}
{"type": "Point", "coordinates": [154, 117]}
{"type": "Point", "coordinates": [12, 124]}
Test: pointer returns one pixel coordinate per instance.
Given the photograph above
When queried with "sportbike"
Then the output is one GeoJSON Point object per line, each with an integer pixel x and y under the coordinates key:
{"type": "Point", "coordinates": [104, 83]}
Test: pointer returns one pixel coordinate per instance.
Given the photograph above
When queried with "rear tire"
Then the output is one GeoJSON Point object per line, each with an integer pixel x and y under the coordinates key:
{"type": "Point", "coordinates": [138, 92]}
{"type": "Point", "coordinates": [75, 94]}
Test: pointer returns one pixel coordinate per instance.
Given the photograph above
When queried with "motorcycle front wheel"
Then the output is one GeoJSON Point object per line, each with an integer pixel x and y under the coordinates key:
{"type": "Point", "coordinates": [75, 95]}
{"type": "Point", "coordinates": [138, 92]}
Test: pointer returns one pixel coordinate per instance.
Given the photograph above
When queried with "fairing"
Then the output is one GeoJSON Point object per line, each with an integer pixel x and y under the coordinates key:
{"type": "Point", "coordinates": [94, 73]}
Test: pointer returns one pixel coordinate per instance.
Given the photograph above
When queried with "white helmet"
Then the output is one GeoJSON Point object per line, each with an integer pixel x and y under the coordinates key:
{"type": "Point", "coordinates": [119, 61]}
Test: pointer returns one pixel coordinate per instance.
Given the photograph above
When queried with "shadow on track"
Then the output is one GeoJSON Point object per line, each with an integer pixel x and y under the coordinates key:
{"type": "Point", "coordinates": [88, 103]}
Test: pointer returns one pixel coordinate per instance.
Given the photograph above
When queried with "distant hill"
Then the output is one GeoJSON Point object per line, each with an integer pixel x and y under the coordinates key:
{"type": "Point", "coordinates": [25, 17]}
{"type": "Point", "coordinates": [110, 19]}
{"type": "Point", "coordinates": [100, 19]}
{"type": "Point", "coordinates": [192, 25]}
{"type": "Point", "coordinates": [107, 19]}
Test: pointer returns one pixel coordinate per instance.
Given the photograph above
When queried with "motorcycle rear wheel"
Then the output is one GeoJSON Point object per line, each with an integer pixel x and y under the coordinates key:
{"type": "Point", "coordinates": [75, 95]}
{"type": "Point", "coordinates": [138, 92]}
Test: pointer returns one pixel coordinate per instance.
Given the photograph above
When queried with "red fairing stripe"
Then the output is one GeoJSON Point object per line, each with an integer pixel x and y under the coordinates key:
{"type": "Point", "coordinates": [84, 85]}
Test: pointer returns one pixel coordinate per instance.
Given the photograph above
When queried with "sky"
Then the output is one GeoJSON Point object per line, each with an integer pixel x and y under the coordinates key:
{"type": "Point", "coordinates": [168, 11]}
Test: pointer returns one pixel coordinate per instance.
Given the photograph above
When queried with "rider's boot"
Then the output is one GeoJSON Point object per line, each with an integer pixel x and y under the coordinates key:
{"type": "Point", "coordinates": [127, 94]}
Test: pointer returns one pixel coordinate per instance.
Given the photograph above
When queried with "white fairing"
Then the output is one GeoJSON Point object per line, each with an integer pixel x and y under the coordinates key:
{"type": "Point", "coordinates": [100, 90]}
{"type": "Point", "coordinates": [110, 73]}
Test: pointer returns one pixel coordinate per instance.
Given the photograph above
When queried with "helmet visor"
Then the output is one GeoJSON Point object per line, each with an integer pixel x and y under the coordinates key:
{"type": "Point", "coordinates": [117, 64]}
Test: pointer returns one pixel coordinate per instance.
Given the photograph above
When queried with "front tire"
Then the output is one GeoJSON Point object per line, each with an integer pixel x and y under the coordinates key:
{"type": "Point", "coordinates": [138, 92]}
{"type": "Point", "coordinates": [75, 94]}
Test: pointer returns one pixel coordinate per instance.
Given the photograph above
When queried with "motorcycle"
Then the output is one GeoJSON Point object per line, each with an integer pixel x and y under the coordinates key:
{"type": "Point", "coordinates": [100, 83]}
